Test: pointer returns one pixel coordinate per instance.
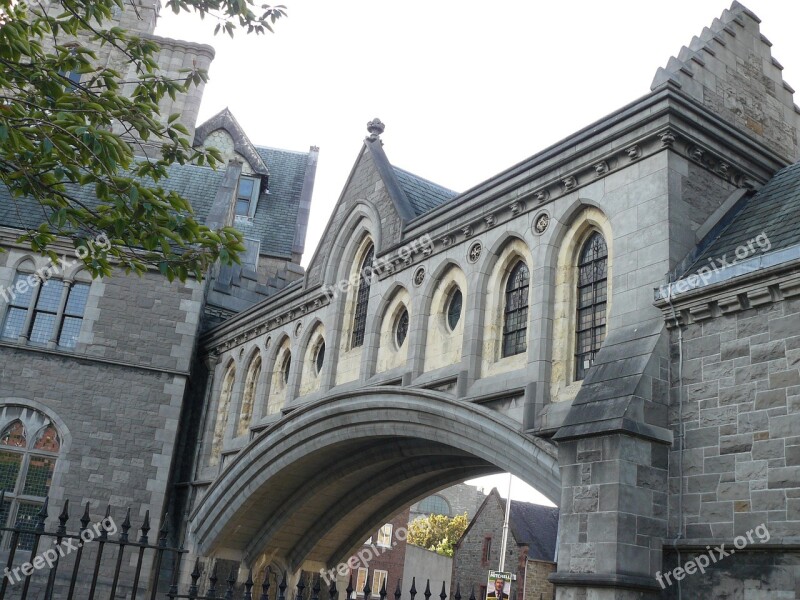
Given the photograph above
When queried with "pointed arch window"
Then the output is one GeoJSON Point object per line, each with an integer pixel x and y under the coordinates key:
{"type": "Point", "coordinates": [249, 396]}
{"type": "Point", "coordinates": [222, 414]}
{"type": "Point", "coordinates": [592, 297]}
{"type": "Point", "coordinates": [27, 465]}
{"type": "Point", "coordinates": [515, 314]}
{"type": "Point", "coordinates": [362, 298]}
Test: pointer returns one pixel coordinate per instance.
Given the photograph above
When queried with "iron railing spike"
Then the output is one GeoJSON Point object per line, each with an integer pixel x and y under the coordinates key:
{"type": "Point", "coordinates": [366, 590]}
{"type": "Point", "coordinates": [231, 584]}
{"type": "Point", "coordinates": [349, 588]}
{"type": "Point", "coordinates": [427, 592]}
{"type": "Point", "coordinates": [443, 593]}
{"type": "Point", "coordinates": [126, 526]}
{"type": "Point", "coordinates": [398, 591]}
{"type": "Point", "coordinates": [472, 593]}
{"type": "Point", "coordinates": [164, 531]}
{"type": "Point", "coordinates": [457, 595]}
{"type": "Point", "coordinates": [41, 516]}
{"type": "Point", "coordinates": [212, 579]}
{"type": "Point", "coordinates": [333, 592]}
{"type": "Point", "coordinates": [63, 517]}
{"type": "Point", "coordinates": [265, 584]}
{"type": "Point", "coordinates": [301, 587]}
{"type": "Point", "coordinates": [382, 593]}
{"type": "Point", "coordinates": [85, 518]}
{"type": "Point", "coordinates": [145, 529]}
{"type": "Point", "coordinates": [316, 588]}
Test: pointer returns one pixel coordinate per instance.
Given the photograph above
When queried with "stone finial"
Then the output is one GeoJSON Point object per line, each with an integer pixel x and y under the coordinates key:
{"type": "Point", "coordinates": [375, 128]}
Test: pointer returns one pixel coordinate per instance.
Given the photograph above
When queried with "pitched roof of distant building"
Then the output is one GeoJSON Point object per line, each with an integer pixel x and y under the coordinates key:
{"type": "Point", "coordinates": [532, 525]}
{"type": "Point", "coordinates": [537, 526]}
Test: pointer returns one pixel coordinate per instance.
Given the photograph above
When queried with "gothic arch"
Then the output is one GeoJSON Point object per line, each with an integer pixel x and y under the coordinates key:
{"type": "Point", "coordinates": [384, 353]}
{"type": "Point", "coordinates": [310, 380]}
{"type": "Point", "coordinates": [362, 220]}
{"type": "Point", "coordinates": [440, 345]}
{"type": "Point", "coordinates": [407, 443]}
{"type": "Point", "coordinates": [504, 255]}
{"type": "Point", "coordinates": [571, 238]}
{"type": "Point", "coordinates": [277, 392]}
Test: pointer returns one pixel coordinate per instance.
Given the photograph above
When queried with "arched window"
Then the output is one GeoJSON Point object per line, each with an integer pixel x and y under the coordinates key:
{"type": "Point", "coordinates": [401, 328]}
{"type": "Point", "coordinates": [319, 360]}
{"type": "Point", "coordinates": [434, 505]}
{"type": "Point", "coordinates": [222, 414]}
{"type": "Point", "coordinates": [286, 368]}
{"type": "Point", "coordinates": [590, 323]}
{"type": "Point", "coordinates": [454, 309]}
{"type": "Point", "coordinates": [515, 314]}
{"type": "Point", "coordinates": [362, 298]}
{"type": "Point", "coordinates": [249, 396]}
{"type": "Point", "coordinates": [28, 454]}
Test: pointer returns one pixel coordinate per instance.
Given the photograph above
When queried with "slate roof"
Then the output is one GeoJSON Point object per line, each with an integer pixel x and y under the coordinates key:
{"type": "Point", "coordinates": [536, 526]}
{"type": "Point", "coordinates": [423, 195]}
{"type": "Point", "coordinates": [275, 220]}
{"type": "Point", "coordinates": [198, 184]}
{"type": "Point", "coordinates": [773, 211]}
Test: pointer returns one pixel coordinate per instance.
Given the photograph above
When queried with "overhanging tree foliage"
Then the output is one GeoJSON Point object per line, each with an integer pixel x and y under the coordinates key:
{"type": "Point", "coordinates": [56, 135]}
{"type": "Point", "coordinates": [438, 533]}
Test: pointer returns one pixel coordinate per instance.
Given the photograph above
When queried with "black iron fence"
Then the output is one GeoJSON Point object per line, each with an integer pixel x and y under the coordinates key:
{"type": "Point", "coordinates": [250, 591]}
{"type": "Point", "coordinates": [98, 561]}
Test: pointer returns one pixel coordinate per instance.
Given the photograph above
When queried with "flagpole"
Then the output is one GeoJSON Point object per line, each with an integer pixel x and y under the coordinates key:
{"type": "Point", "coordinates": [505, 526]}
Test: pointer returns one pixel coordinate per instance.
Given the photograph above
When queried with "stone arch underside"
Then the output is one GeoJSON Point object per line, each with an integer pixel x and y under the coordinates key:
{"type": "Point", "coordinates": [310, 489]}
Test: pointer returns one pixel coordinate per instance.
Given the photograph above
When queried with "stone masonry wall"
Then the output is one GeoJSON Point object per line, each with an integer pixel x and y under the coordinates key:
{"type": "Point", "coordinates": [741, 464]}
{"type": "Point", "coordinates": [116, 398]}
{"type": "Point", "coordinates": [537, 586]}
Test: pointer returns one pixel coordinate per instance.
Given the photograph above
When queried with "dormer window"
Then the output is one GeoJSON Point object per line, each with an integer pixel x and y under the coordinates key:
{"type": "Point", "coordinates": [247, 196]}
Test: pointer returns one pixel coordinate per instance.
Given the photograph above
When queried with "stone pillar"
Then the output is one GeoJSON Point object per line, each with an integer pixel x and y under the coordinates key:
{"type": "Point", "coordinates": [613, 517]}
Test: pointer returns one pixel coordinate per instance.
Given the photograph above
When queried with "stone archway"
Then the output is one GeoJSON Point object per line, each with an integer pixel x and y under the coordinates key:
{"type": "Point", "coordinates": [311, 487]}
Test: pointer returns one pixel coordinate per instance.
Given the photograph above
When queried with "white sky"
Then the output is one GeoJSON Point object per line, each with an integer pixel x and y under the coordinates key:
{"type": "Point", "coordinates": [465, 88]}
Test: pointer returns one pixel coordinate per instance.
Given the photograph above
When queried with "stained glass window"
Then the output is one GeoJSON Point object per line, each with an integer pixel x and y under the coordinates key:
{"type": "Point", "coordinates": [590, 322]}
{"type": "Point", "coordinates": [362, 298]}
{"type": "Point", "coordinates": [515, 317]}
{"type": "Point", "coordinates": [27, 465]}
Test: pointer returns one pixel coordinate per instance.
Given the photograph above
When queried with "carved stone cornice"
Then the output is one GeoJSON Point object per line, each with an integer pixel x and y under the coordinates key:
{"type": "Point", "coordinates": [729, 299]}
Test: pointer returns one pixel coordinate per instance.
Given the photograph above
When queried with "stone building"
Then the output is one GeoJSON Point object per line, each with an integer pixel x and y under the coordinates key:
{"type": "Point", "coordinates": [523, 325]}
{"type": "Point", "coordinates": [530, 549]}
{"type": "Point", "coordinates": [94, 374]}
{"type": "Point", "coordinates": [438, 336]}
{"type": "Point", "coordinates": [452, 501]}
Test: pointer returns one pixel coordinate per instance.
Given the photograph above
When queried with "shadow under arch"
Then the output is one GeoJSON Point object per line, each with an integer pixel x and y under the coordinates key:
{"type": "Point", "coordinates": [311, 487]}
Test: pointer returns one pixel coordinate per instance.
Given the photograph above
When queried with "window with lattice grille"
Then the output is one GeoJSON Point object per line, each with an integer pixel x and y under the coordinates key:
{"type": "Point", "coordinates": [592, 292]}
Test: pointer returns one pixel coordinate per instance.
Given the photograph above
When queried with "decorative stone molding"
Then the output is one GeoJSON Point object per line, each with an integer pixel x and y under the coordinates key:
{"type": "Point", "coordinates": [419, 276]}
{"type": "Point", "coordinates": [516, 207]}
{"type": "Point", "coordinates": [601, 168]}
{"type": "Point", "coordinates": [298, 329]}
{"type": "Point", "coordinates": [490, 220]}
{"type": "Point", "coordinates": [729, 301]}
{"type": "Point", "coordinates": [633, 152]}
{"type": "Point", "coordinates": [541, 223]}
{"type": "Point", "coordinates": [542, 195]}
{"type": "Point", "coordinates": [667, 138]}
{"type": "Point", "coordinates": [474, 252]}
{"type": "Point", "coordinates": [570, 182]}
{"type": "Point", "coordinates": [467, 231]}
{"type": "Point", "coordinates": [447, 240]}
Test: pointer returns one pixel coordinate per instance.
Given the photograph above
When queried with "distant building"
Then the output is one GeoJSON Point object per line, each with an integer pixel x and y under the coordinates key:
{"type": "Point", "coordinates": [452, 501]}
{"type": "Point", "coordinates": [380, 560]}
{"type": "Point", "coordinates": [532, 534]}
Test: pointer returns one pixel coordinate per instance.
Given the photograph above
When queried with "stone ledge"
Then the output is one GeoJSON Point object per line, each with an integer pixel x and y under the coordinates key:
{"type": "Point", "coordinates": [606, 580]}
